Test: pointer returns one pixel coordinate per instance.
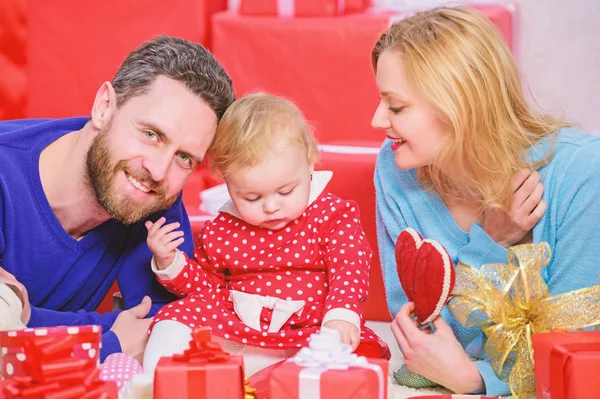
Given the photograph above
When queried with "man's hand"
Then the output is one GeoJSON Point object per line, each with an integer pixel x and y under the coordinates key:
{"type": "Point", "coordinates": [132, 329]}
{"type": "Point", "coordinates": [19, 289]}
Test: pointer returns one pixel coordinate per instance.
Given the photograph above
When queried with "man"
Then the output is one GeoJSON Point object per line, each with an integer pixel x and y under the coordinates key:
{"type": "Point", "coordinates": [74, 193]}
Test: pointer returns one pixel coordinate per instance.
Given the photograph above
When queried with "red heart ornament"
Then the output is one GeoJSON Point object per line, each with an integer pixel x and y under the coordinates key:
{"type": "Point", "coordinates": [426, 273]}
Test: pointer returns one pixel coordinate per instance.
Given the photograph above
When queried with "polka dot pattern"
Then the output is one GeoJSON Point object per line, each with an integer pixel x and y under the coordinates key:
{"type": "Point", "coordinates": [87, 344]}
{"type": "Point", "coordinates": [119, 368]}
{"type": "Point", "coordinates": [323, 258]}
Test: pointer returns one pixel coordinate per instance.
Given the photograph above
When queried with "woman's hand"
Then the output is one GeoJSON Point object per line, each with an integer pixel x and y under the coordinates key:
{"type": "Point", "coordinates": [437, 356]}
{"type": "Point", "coordinates": [509, 227]}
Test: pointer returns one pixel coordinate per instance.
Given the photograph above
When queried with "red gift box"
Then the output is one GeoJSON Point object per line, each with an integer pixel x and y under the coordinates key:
{"type": "Point", "coordinates": [102, 390]}
{"type": "Point", "coordinates": [74, 46]}
{"type": "Point", "coordinates": [567, 365]}
{"type": "Point", "coordinates": [356, 382]}
{"type": "Point", "coordinates": [51, 371]}
{"type": "Point", "coordinates": [204, 371]}
{"type": "Point", "coordinates": [175, 379]}
{"type": "Point", "coordinates": [322, 64]}
{"type": "Point", "coordinates": [301, 8]}
{"type": "Point", "coordinates": [86, 345]}
{"type": "Point", "coordinates": [13, 59]}
{"type": "Point", "coordinates": [450, 396]}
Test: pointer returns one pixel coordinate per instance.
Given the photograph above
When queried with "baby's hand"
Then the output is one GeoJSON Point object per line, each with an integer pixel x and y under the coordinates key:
{"type": "Point", "coordinates": [163, 241]}
{"type": "Point", "coordinates": [348, 331]}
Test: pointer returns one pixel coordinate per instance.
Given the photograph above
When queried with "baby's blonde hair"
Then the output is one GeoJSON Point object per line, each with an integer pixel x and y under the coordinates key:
{"type": "Point", "coordinates": [462, 65]}
{"type": "Point", "coordinates": [249, 129]}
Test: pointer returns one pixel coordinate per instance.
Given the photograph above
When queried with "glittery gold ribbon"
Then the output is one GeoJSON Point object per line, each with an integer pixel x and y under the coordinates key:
{"type": "Point", "coordinates": [249, 392]}
{"type": "Point", "coordinates": [511, 303]}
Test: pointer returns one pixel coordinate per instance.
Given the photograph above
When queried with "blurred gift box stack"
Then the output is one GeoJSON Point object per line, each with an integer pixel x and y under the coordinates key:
{"type": "Point", "coordinates": [62, 363]}
{"type": "Point", "coordinates": [55, 55]}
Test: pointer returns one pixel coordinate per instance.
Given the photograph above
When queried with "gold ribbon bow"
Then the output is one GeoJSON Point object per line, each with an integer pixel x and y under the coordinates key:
{"type": "Point", "coordinates": [249, 392]}
{"type": "Point", "coordinates": [511, 303]}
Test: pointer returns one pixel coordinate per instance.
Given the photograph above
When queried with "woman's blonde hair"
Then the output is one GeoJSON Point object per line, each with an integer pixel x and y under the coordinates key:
{"type": "Point", "coordinates": [249, 129]}
{"type": "Point", "coordinates": [457, 59]}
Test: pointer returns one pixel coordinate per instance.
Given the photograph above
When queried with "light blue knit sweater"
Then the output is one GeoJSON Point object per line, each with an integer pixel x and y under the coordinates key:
{"type": "Point", "coordinates": [571, 225]}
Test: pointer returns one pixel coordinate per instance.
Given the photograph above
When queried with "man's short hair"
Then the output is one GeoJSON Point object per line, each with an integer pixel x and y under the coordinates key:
{"type": "Point", "coordinates": [178, 59]}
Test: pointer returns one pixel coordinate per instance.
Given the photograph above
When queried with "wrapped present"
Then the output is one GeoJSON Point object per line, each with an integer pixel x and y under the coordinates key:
{"type": "Point", "coordinates": [63, 42]}
{"type": "Point", "coordinates": [82, 342]}
{"type": "Point", "coordinates": [567, 364]}
{"type": "Point", "coordinates": [511, 303]}
{"type": "Point", "coordinates": [204, 371]}
{"type": "Point", "coordinates": [51, 371]}
{"type": "Point", "coordinates": [328, 369]}
{"type": "Point", "coordinates": [119, 368]}
{"type": "Point", "coordinates": [322, 64]}
{"type": "Point", "coordinates": [301, 8]}
{"type": "Point", "coordinates": [13, 59]}
{"type": "Point", "coordinates": [450, 396]}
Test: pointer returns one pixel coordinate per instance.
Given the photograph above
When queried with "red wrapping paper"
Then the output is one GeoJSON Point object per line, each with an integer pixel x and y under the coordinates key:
{"type": "Point", "coordinates": [453, 397]}
{"type": "Point", "coordinates": [13, 59]}
{"type": "Point", "coordinates": [303, 8]}
{"type": "Point", "coordinates": [52, 372]}
{"type": "Point", "coordinates": [353, 383]}
{"type": "Point", "coordinates": [204, 371]}
{"type": "Point", "coordinates": [68, 59]}
{"type": "Point", "coordinates": [180, 380]}
{"type": "Point", "coordinates": [86, 345]}
{"type": "Point", "coordinates": [104, 390]}
{"type": "Point", "coordinates": [567, 365]}
{"type": "Point", "coordinates": [322, 64]}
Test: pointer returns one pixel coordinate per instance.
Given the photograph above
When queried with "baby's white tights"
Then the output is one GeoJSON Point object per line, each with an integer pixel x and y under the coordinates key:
{"type": "Point", "coordinates": [169, 337]}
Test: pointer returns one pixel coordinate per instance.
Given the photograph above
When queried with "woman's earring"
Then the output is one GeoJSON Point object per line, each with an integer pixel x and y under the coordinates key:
{"type": "Point", "coordinates": [311, 177]}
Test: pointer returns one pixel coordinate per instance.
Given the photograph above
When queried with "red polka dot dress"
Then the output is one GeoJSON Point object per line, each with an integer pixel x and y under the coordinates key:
{"type": "Point", "coordinates": [272, 289]}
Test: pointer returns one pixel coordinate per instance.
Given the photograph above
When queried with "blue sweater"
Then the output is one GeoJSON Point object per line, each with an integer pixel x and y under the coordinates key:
{"type": "Point", "coordinates": [571, 225]}
{"type": "Point", "coordinates": [67, 279]}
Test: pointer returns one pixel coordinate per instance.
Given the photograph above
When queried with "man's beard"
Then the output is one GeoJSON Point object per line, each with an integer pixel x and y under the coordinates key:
{"type": "Point", "coordinates": [102, 173]}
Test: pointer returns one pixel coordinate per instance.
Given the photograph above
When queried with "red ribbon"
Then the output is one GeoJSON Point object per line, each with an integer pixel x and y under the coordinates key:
{"type": "Point", "coordinates": [54, 374]}
{"type": "Point", "coordinates": [202, 349]}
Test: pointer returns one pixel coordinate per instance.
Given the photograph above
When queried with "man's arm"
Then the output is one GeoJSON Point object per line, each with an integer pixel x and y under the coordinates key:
{"type": "Point", "coordinates": [125, 331]}
{"type": "Point", "coordinates": [137, 281]}
{"type": "Point", "coordinates": [47, 318]}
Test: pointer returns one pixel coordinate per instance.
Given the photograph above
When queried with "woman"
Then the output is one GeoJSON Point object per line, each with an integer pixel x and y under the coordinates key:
{"type": "Point", "coordinates": [468, 163]}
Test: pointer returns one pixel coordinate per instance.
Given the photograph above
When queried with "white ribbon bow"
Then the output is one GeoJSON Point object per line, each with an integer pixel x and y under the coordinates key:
{"type": "Point", "coordinates": [249, 306]}
{"type": "Point", "coordinates": [327, 352]}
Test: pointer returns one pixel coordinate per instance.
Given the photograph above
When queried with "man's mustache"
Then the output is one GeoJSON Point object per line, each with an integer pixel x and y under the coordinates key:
{"type": "Point", "coordinates": [143, 176]}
